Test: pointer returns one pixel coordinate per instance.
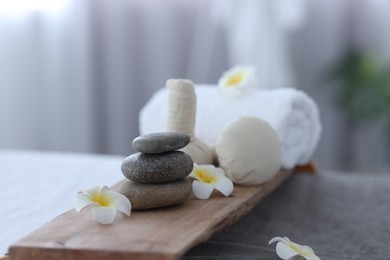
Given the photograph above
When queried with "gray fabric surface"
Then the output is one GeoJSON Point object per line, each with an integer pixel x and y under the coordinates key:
{"type": "Point", "coordinates": [340, 215]}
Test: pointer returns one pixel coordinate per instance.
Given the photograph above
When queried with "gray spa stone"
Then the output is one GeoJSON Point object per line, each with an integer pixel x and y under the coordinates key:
{"type": "Point", "coordinates": [160, 142]}
{"type": "Point", "coordinates": [148, 196]}
{"type": "Point", "coordinates": [157, 168]}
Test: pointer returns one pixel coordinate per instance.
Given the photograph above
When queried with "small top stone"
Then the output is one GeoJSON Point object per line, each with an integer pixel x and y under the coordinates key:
{"type": "Point", "coordinates": [160, 142]}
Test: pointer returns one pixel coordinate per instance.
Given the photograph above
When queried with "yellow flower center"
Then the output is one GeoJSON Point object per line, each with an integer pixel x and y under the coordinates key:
{"type": "Point", "coordinates": [205, 176]}
{"type": "Point", "coordinates": [299, 250]}
{"type": "Point", "coordinates": [103, 201]}
{"type": "Point", "coordinates": [235, 79]}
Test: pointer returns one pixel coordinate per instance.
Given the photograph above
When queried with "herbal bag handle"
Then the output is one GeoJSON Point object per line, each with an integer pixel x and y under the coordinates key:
{"type": "Point", "coordinates": [181, 118]}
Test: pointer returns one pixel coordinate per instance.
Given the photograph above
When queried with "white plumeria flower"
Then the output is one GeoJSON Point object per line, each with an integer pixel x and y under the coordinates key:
{"type": "Point", "coordinates": [287, 249]}
{"type": "Point", "coordinates": [105, 203]}
{"type": "Point", "coordinates": [234, 81]}
{"type": "Point", "coordinates": [207, 178]}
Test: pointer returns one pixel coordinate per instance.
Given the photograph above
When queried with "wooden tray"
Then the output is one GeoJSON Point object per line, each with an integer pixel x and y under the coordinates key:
{"type": "Point", "coordinates": [166, 233]}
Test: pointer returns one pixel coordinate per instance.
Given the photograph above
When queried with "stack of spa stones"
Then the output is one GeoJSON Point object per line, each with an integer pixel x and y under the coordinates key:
{"type": "Point", "coordinates": [157, 173]}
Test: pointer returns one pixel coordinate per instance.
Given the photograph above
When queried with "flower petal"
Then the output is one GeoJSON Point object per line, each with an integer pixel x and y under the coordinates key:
{"type": "Point", "coordinates": [104, 215]}
{"type": "Point", "coordinates": [303, 250]}
{"type": "Point", "coordinates": [307, 249]}
{"type": "Point", "coordinates": [193, 175]}
{"type": "Point", "coordinates": [108, 194]}
{"type": "Point", "coordinates": [278, 239]}
{"type": "Point", "coordinates": [94, 192]}
{"type": "Point", "coordinates": [193, 172]}
{"type": "Point", "coordinates": [237, 78]}
{"type": "Point", "coordinates": [119, 201]}
{"type": "Point", "coordinates": [205, 173]}
{"type": "Point", "coordinates": [122, 204]}
{"type": "Point", "coordinates": [224, 185]}
{"type": "Point", "coordinates": [82, 200]}
{"type": "Point", "coordinates": [284, 251]}
{"type": "Point", "coordinates": [287, 249]}
{"type": "Point", "coordinates": [202, 190]}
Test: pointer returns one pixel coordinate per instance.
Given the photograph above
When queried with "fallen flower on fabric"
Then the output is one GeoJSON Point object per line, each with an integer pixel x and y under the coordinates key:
{"type": "Point", "coordinates": [234, 81]}
{"type": "Point", "coordinates": [105, 203]}
{"type": "Point", "coordinates": [286, 249]}
{"type": "Point", "coordinates": [207, 178]}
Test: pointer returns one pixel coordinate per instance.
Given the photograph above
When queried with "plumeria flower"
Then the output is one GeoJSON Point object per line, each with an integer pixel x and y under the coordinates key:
{"type": "Point", "coordinates": [234, 81]}
{"type": "Point", "coordinates": [105, 203]}
{"type": "Point", "coordinates": [207, 178]}
{"type": "Point", "coordinates": [287, 249]}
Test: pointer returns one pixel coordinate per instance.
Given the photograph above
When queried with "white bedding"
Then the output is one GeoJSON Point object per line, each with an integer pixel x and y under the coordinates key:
{"type": "Point", "coordinates": [35, 187]}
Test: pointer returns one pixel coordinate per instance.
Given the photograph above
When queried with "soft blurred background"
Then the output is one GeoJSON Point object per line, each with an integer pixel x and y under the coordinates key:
{"type": "Point", "coordinates": [75, 73]}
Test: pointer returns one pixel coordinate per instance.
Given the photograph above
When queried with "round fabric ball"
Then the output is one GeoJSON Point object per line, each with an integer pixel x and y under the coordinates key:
{"type": "Point", "coordinates": [249, 151]}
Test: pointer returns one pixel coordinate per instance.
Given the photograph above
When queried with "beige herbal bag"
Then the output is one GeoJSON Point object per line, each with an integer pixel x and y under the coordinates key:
{"type": "Point", "coordinates": [181, 118]}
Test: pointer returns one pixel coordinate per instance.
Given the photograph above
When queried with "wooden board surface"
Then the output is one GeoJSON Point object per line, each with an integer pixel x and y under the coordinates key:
{"type": "Point", "coordinates": [166, 233]}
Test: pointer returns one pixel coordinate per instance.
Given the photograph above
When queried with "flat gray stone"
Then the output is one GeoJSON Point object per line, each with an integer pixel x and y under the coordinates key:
{"type": "Point", "coordinates": [148, 196]}
{"type": "Point", "coordinates": [160, 142]}
{"type": "Point", "coordinates": [157, 168]}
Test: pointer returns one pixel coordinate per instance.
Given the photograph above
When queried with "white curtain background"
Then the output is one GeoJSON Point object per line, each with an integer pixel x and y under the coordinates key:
{"type": "Point", "coordinates": [257, 34]}
{"type": "Point", "coordinates": [74, 78]}
{"type": "Point", "coordinates": [74, 73]}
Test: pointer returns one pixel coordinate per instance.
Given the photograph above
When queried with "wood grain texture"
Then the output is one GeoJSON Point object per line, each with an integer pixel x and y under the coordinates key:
{"type": "Point", "coordinates": [166, 233]}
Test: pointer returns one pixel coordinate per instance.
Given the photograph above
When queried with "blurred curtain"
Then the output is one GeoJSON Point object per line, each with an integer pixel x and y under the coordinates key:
{"type": "Point", "coordinates": [45, 100]}
{"type": "Point", "coordinates": [257, 33]}
{"type": "Point", "coordinates": [75, 78]}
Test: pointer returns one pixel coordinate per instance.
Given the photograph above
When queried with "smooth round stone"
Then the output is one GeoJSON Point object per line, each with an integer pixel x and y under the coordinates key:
{"type": "Point", "coordinates": [157, 168]}
{"type": "Point", "coordinates": [148, 196]}
{"type": "Point", "coordinates": [160, 142]}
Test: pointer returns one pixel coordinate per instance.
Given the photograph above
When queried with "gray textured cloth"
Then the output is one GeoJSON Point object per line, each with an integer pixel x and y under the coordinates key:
{"type": "Point", "coordinates": [340, 215]}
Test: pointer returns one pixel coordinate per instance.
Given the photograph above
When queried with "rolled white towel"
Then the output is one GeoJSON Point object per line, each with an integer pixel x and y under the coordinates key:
{"type": "Point", "coordinates": [292, 113]}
